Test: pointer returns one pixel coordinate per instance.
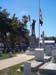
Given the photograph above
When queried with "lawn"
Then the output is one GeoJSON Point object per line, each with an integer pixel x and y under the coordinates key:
{"type": "Point", "coordinates": [12, 70]}
{"type": "Point", "coordinates": [5, 56]}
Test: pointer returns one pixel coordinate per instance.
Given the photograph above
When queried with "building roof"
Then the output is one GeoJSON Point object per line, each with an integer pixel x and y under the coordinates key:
{"type": "Point", "coordinates": [48, 41]}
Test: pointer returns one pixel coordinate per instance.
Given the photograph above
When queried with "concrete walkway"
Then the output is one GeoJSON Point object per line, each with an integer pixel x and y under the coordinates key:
{"type": "Point", "coordinates": [14, 60]}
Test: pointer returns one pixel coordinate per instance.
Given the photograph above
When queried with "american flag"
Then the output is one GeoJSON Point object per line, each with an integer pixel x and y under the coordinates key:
{"type": "Point", "coordinates": [40, 18]}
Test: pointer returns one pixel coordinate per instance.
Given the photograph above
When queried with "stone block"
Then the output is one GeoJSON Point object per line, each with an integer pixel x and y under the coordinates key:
{"type": "Point", "coordinates": [39, 54]}
{"type": "Point", "coordinates": [48, 50]}
{"type": "Point", "coordinates": [54, 53]}
{"type": "Point", "coordinates": [48, 68]}
{"type": "Point", "coordinates": [27, 68]}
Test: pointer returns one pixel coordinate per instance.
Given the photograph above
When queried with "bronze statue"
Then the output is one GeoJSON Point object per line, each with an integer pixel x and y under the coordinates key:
{"type": "Point", "coordinates": [33, 27]}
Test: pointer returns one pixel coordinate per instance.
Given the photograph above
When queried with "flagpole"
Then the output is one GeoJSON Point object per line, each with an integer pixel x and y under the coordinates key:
{"type": "Point", "coordinates": [39, 24]}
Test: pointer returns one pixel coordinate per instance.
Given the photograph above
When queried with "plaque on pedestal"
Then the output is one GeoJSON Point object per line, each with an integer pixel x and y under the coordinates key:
{"type": "Point", "coordinates": [33, 43]}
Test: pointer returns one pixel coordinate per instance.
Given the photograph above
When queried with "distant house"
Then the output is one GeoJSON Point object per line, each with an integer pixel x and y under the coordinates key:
{"type": "Point", "coordinates": [48, 42]}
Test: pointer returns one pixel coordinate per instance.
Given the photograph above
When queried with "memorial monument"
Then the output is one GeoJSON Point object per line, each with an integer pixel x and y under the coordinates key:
{"type": "Point", "coordinates": [33, 43]}
{"type": "Point", "coordinates": [33, 40]}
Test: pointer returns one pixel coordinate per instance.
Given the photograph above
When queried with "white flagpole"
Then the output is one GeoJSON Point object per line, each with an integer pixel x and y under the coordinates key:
{"type": "Point", "coordinates": [39, 24]}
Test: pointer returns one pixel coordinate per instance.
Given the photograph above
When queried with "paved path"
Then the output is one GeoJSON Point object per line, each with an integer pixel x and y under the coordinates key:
{"type": "Point", "coordinates": [14, 60]}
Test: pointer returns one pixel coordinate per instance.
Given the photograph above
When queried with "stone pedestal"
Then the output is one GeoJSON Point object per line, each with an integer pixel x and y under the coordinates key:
{"type": "Point", "coordinates": [39, 54]}
{"type": "Point", "coordinates": [33, 43]}
{"type": "Point", "coordinates": [27, 68]}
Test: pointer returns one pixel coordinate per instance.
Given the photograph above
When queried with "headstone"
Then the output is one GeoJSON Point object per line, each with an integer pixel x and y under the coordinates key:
{"type": "Point", "coordinates": [54, 52]}
{"type": "Point", "coordinates": [13, 51]}
{"type": "Point", "coordinates": [27, 68]}
{"type": "Point", "coordinates": [1, 53]}
{"type": "Point", "coordinates": [10, 54]}
{"type": "Point", "coordinates": [39, 54]}
{"type": "Point", "coordinates": [34, 65]}
{"type": "Point", "coordinates": [1, 48]}
{"type": "Point", "coordinates": [48, 50]}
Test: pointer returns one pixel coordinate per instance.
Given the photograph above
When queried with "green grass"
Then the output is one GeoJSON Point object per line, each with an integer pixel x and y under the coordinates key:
{"type": "Point", "coordinates": [12, 70]}
{"type": "Point", "coordinates": [5, 56]}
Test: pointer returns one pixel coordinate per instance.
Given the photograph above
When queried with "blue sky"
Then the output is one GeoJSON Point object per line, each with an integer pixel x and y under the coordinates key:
{"type": "Point", "coordinates": [30, 7]}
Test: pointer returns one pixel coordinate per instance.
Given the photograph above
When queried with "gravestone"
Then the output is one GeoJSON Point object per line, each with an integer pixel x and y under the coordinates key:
{"type": "Point", "coordinates": [39, 54]}
{"type": "Point", "coordinates": [1, 48]}
{"type": "Point", "coordinates": [27, 68]}
{"type": "Point", "coordinates": [10, 54]}
{"type": "Point", "coordinates": [48, 50]}
{"type": "Point", "coordinates": [34, 65]}
{"type": "Point", "coordinates": [54, 52]}
{"type": "Point", "coordinates": [1, 53]}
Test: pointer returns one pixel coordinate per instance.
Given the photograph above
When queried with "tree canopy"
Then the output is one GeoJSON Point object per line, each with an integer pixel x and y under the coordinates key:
{"type": "Point", "coordinates": [17, 28]}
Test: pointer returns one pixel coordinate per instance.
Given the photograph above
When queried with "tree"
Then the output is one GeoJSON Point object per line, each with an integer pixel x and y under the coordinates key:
{"type": "Point", "coordinates": [17, 28]}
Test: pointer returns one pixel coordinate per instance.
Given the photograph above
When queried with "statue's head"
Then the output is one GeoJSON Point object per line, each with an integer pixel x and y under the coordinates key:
{"type": "Point", "coordinates": [34, 21]}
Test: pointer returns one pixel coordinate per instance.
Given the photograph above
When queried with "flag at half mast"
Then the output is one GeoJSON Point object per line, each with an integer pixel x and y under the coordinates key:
{"type": "Point", "coordinates": [40, 18]}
